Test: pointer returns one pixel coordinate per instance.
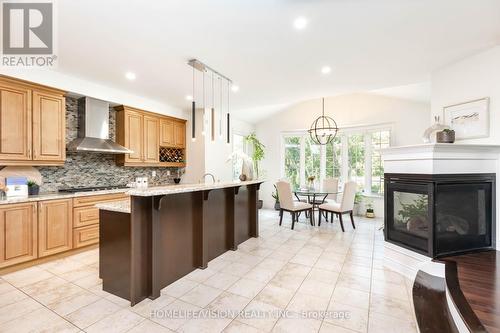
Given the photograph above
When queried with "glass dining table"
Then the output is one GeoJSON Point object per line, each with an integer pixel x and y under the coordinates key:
{"type": "Point", "coordinates": [314, 196]}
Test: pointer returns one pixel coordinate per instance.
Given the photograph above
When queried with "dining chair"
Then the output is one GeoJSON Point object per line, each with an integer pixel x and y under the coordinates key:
{"type": "Point", "coordinates": [287, 204]}
{"type": "Point", "coordinates": [331, 185]}
{"type": "Point", "coordinates": [346, 205]}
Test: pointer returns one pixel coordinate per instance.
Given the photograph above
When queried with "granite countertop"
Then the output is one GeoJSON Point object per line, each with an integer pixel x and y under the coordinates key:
{"type": "Point", "coordinates": [122, 206]}
{"type": "Point", "coordinates": [151, 191]}
{"type": "Point", "coordinates": [58, 195]}
{"type": "Point", "coordinates": [183, 188]}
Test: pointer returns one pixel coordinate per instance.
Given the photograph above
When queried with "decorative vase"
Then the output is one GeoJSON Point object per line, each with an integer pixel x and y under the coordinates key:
{"type": "Point", "coordinates": [276, 206]}
{"type": "Point", "coordinates": [445, 136]}
{"type": "Point", "coordinates": [33, 190]}
{"type": "Point", "coordinates": [429, 133]}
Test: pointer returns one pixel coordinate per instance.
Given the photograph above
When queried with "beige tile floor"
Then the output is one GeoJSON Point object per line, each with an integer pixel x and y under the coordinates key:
{"type": "Point", "coordinates": [307, 280]}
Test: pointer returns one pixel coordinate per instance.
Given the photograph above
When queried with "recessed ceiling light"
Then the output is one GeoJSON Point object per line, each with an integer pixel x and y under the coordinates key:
{"type": "Point", "coordinates": [235, 88]}
{"type": "Point", "coordinates": [130, 76]}
{"type": "Point", "coordinates": [189, 97]}
{"type": "Point", "coordinates": [326, 69]}
{"type": "Point", "coordinates": [300, 23]}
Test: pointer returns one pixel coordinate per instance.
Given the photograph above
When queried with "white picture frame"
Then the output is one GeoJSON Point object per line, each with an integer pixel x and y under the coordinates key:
{"type": "Point", "coordinates": [469, 120]}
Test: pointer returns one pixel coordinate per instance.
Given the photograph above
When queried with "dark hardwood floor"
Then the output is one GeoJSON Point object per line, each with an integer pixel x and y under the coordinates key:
{"type": "Point", "coordinates": [474, 280]}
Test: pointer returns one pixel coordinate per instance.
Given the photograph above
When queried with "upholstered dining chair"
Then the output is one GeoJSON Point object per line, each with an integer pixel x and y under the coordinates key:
{"type": "Point", "coordinates": [287, 204]}
{"type": "Point", "coordinates": [346, 205]}
{"type": "Point", "coordinates": [331, 185]}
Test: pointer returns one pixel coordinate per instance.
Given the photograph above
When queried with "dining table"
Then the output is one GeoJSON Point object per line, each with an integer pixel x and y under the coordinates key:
{"type": "Point", "coordinates": [314, 195]}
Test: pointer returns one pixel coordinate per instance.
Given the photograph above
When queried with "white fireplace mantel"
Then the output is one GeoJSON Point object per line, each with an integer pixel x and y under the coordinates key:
{"type": "Point", "coordinates": [441, 158]}
{"type": "Point", "coordinates": [436, 158]}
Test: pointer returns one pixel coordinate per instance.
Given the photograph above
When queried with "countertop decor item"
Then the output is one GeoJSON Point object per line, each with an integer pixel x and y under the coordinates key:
{"type": "Point", "coordinates": [324, 129]}
{"type": "Point", "coordinates": [445, 136]}
{"type": "Point", "coordinates": [33, 187]}
{"type": "Point", "coordinates": [430, 133]}
{"type": "Point", "coordinates": [470, 120]}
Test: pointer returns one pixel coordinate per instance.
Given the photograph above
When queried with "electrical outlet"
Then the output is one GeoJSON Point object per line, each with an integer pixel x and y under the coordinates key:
{"type": "Point", "coordinates": [153, 173]}
{"type": "Point", "coordinates": [168, 172]}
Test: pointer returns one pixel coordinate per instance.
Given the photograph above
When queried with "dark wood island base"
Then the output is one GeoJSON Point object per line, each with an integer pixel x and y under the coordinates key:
{"type": "Point", "coordinates": [167, 236]}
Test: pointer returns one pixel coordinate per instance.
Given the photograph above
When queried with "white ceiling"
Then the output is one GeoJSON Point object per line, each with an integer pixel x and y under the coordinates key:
{"type": "Point", "coordinates": [368, 44]}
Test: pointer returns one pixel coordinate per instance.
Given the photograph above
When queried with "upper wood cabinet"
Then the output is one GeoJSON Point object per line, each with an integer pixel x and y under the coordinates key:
{"type": "Point", "coordinates": [49, 127]}
{"type": "Point", "coordinates": [180, 134]}
{"type": "Point", "coordinates": [55, 226]}
{"type": "Point", "coordinates": [32, 124]}
{"type": "Point", "coordinates": [18, 233]}
{"type": "Point", "coordinates": [15, 122]}
{"type": "Point", "coordinates": [151, 139]}
{"type": "Point", "coordinates": [146, 134]}
{"type": "Point", "coordinates": [167, 132]}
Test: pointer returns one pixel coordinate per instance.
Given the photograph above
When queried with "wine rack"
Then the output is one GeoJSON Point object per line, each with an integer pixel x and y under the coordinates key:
{"type": "Point", "coordinates": [171, 155]}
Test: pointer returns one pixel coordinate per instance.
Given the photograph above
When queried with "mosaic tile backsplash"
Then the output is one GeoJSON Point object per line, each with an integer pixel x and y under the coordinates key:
{"type": "Point", "coordinates": [94, 169]}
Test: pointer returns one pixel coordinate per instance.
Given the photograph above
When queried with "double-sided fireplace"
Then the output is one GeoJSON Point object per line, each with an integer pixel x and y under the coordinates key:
{"type": "Point", "coordinates": [440, 214]}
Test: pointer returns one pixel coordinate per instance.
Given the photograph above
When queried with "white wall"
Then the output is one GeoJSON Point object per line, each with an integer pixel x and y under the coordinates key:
{"type": "Point", "coordinates": [409, 120]}
{"type": "Point", "coordinates": [475, 77]}
{"type": "Point", "coordinates": [205, 155]}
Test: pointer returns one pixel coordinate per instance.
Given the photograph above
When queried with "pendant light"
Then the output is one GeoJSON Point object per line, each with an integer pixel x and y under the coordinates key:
{"type": "Point", "coordinates": [228, 121]}
{"type": "Point", "coordinates": [204, 106]}
{"type": "Point", "coordinates": [212, 118]}
{"type": "Point", "coordinates": [193, 115]}
{"type": "Point", "coordinates": [324, 129]}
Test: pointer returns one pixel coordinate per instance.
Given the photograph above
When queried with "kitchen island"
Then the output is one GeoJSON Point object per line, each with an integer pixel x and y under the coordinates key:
{"type": "Point", "coordinates": [164, 233]}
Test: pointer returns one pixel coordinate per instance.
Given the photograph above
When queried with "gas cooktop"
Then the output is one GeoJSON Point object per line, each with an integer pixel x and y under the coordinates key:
{"type": "Point", "coordinates": [91, 188]}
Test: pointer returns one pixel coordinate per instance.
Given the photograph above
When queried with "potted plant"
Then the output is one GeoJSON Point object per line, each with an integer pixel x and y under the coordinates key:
{"type": "Point", "coordinates": [357, 201]}
{"type": "Point", "coordinates": [33, 187]}
{"type": "Point", "coordinates": [369, 209]}
{"type": "Point", "coordinates": [257, 156]}
{"type": "Point", "coordinates": [276, 198]}
{"type": "Point", "coordinates": [445, 136]}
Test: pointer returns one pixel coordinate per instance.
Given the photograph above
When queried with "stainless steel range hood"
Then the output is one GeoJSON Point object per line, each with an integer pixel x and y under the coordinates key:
{"type": "Point", "coordinates": [93, 129]}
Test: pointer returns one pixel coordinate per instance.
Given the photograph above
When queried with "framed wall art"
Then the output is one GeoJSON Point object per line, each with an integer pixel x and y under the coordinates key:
{"type": "Point", "coordinates": [470, 120]}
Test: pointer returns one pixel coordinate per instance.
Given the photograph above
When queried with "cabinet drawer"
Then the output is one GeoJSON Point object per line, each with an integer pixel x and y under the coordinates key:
{"type": "Point", "coordinates": [85, 236]}
{"type": "Point", "coordinates": [85, 216]}
{"type": "Point", "coordinates": [94, 199]}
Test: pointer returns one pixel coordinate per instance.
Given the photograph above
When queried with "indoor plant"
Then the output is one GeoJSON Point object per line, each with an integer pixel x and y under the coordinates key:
{"type": "Point", "coordinates": [257, 156]}
{"type": "Point", "coordinates": [276, 198]}
{"type": "Point", "coordinates": [33, 187]}
{"type": "Point", "coordinates": [369, 209]}
{"type": "Point", "coordinates": [445, 136]}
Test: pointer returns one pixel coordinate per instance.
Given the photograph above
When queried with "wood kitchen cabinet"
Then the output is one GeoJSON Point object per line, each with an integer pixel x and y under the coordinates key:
{"type": "Point", "coordinates": [149, 135]}
{"type": "Point", "coordinates": [49, 127]}
{"type": "Point", "coordinates": [55, 226]}
{"type": "Point", "coordinates": [18, 233]}
{"type": "Point", "coordinates": [32, 124]}
{"type": "Point", "coordinates": [151, 139]}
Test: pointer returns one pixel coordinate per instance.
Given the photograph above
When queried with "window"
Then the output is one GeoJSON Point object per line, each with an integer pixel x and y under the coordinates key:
{"type": "Point", "coordinates": [238, 146]}
{"type": "Point", "coordinates": [378, 140]}
{"type": "Point", "coordinates": [292, 160]}
{"type": "Point", "coordinates": [352, 155]}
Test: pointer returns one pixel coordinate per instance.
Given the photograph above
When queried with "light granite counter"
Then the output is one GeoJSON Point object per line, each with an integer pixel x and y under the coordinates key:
{"type": "Point", "coordinates": [122, 206]}
{"type": "Point", "coordinates": [58, 195]}
{"type": "Point", "coordinates": [184, 188]}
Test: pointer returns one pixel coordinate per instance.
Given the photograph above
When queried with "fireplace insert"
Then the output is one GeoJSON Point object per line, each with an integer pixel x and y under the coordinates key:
{"type": "Point", "coordinates": [442, 214]}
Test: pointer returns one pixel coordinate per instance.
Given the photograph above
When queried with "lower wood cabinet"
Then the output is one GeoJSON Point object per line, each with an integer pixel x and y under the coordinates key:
{"type": "Point", "coordinates": [86, 235]}
{"type": "Point", "coordinates": [55, 226]}
{"type": "Point", "coordinates": [18, 233]}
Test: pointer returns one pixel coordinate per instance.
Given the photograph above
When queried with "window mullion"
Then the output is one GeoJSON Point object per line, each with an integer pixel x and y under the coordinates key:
{"type": "Point", "coordinates": [368, 162]}
{"type": "Point", "coordinates": [344, 174]}
{"type": "Point", "coordinates": [302, 160]}
{"type": "Point", "coordinates": [322, 163]}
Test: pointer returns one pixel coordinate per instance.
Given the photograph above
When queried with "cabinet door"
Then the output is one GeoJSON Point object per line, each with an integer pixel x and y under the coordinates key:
{"type": "Point", "coordinates": [15, 122]}
{"type": "Point", "coordinates": [151, 139]}
{"type": "Point", "coordinates": [134, 136]}
{"type": "Point", "coordinates": [167, 132]}
{"type": "Point", "coordinates": [180, 134]}
{"type": "Point", "coordinates": [49, 122]}
{"type": "Point", "coordinates": [18, 233]}
{"type": "Point", "coordinates": [55, 226]}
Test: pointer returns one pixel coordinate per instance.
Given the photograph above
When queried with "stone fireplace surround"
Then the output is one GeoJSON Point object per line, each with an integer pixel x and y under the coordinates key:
{"type": "Point", "coordinates": [436, 159]}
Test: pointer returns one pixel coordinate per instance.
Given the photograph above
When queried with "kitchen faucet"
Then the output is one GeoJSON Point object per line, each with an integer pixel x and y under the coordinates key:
{"type": "Point", "coordinates": [207, 174]}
